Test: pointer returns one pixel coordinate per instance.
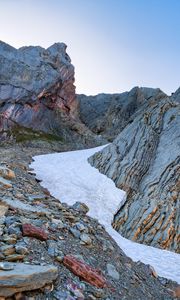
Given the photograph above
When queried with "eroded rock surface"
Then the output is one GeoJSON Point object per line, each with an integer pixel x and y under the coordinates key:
{"type": "Point", "coordinates": [108, 114]}
{"type": "Point", "coordinates": [81, 266]}
{"type": "Point", "coordinates": [25, 277]}
{"type": "Point", "coordinates": [84, 271]}
{"type": "Point", "coordinates": [144, 160]}
{"type": "Point", "coordinates": [37, 96]}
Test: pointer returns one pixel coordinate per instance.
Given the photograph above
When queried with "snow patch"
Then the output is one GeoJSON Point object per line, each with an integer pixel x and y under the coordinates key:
{"type": "Point", "coordinates": [70, 178]}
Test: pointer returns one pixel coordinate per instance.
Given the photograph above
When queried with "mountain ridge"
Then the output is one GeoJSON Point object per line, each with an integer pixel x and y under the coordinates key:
{"type": "Point", "coordinates": [40, 113]}
{"type": "Point", "coordinates": [143, 160]}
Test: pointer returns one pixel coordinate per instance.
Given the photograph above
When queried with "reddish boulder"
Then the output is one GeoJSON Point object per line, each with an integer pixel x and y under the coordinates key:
{"type": "Point", "coordinates": [33, 231]}
{"type": "Point", "coordinates": [84, 271]}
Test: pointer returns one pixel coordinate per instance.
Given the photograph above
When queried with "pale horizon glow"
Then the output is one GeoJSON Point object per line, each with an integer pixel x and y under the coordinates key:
{"type": "Point", "coordinates": [113, 44]}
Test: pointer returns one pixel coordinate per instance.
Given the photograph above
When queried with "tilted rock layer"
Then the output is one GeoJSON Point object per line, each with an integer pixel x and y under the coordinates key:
{"type": "Point", "coordinates": [37, 94]}
{"type": "Point", "coordinates": [108, 114]}
{"type": "Point", "coordinates": [144, 160]}
{"type": "Point", "coordinates": [25, 277]}
{"type": "Point", "coordinates": [63, 255]}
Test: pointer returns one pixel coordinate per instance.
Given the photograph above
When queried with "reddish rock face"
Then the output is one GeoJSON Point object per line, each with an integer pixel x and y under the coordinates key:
{"type": "Point", "coordinates": [84, 271]}
{"type": "Point", "coordinates": [177, 292]}
{"type": "Point", "coordinates": [33, 231]}
{"type": "Point", "coordinates": [36, 89]}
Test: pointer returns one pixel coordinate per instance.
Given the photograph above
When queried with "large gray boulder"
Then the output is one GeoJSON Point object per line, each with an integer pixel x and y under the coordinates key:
{"type": "Point", "coordinates": [108, 114]}
{"type": "Point", "coordinates": [144, 160]}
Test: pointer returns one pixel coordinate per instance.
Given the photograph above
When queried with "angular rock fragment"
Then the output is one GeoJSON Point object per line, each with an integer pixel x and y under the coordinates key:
{"type": "Point", "coordinates": [14, 257]}
{"type": "Point", "coordinates": [82, 207]}
{"type": "Point", "coordinates": [6, 266]}
{"type": "Point", "coordinates": [3, 210]}
{"type": "Point", "coordinates": [6, 173]}
{"type": "Point", "coordinates": [7, 249]}
{"type": "Point", "coordinates": [33, 231]}
{"type": "Point", "coordinates": [25, 277]}
{"type": "Point", "coordinates": [4, 183]}
{"type": "Point", "coordinates": [17, 204]}
{"type": "Point", "coordinates": [85, 238]}
{"type": "Point", "coordinates": [84, 271]}
{"type": "Point", "coordinates": [112, 271]}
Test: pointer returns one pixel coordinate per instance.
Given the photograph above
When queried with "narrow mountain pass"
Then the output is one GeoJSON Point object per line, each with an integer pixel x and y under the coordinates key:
{"type": "Point", "coordinates": [70, 178]}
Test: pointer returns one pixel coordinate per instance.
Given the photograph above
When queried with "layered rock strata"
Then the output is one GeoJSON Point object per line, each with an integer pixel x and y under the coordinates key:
{"type": "Point", "coordinates": [108, 114]}
{"type": "Point", "coordinates": [22, 277]}
{"type": "Point", "coordinates": [54, 268]}
{"type": "Point", "coordinates": [144, 160]}
{"type": "Point", "coordinates": [37, 95]}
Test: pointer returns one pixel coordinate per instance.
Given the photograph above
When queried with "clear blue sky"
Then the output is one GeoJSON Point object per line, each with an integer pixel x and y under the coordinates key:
{"type": "Point", "coordinates": [114, 44]}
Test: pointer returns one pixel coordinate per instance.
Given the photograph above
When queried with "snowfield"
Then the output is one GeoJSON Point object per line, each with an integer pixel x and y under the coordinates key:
{"type": "Point", "coordinates": [70, 178]}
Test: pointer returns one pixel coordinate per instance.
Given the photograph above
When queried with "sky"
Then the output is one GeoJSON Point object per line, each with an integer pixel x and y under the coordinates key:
{"type": "Point", "coordinates": [113, 44]}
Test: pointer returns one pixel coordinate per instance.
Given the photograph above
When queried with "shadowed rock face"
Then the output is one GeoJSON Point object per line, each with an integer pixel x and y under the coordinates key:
{"type": "Point", "coordinates": [37, 92]}
{"type": "Point", "coordinates": [144, 160]}
{"type": "Point", "coordinates": [176, 95]}
{"type": "Point", "coordinates": [108, 114]}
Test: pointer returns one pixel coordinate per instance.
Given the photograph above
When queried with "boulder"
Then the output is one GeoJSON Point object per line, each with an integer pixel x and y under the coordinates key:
{"type": "Point", "coordinates": [84, 271]}
{"type": "Point", "coordinates": [25, 277]}
{"type": "Point", "coordinates": [34, 231]}
{"type": "Point", "coordinates": [6, 173]}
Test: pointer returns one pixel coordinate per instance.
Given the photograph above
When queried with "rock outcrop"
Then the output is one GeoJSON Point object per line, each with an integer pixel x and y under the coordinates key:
{"type": "Point", "coordinates": [144, 161]}
{"type": "Point", "coordinates": [108, 114]}
{"type": "Point", "coordinates": [47, 247]}
{"type": "Point", "coordinates": [37, 96]}
{"type": "Point", "coordinates": [176, 95]}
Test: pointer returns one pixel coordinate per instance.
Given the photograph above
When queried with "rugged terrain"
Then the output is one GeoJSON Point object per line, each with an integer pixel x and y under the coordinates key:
{"type": "Point", "coordinates": [109, 114]}
{"type": "Point", "coordinates": [38, 100]}
{"type": "Point", "coordinates": [40, 231]}
{"type": "Point", "coordinates": [37, 97]}
{"type": "Point", "coordinates": [144, 161]}
{"type": "Point", "coordinates": [49, 250]}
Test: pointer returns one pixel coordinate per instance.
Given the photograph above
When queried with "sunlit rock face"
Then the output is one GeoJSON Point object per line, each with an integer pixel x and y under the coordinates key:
{"type": "Point", "coordinates": [36, 89]}
{"type": "Point", "coordinates": [144, 160]}
{"type": "Point", "coordinates": [108, 114]}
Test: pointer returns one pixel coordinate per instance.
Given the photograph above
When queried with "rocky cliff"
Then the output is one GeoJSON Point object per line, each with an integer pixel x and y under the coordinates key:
{"type": "Point", "coordinates": [144, 161]}
{"type": "Point", "coordinates": [38, 100]}
{"type": "Point", "coordinates": [176, 95]}
{"type": "Point", "coordinates": [37, 95]}
{"type": "Point", "coordinates": [108, 114]}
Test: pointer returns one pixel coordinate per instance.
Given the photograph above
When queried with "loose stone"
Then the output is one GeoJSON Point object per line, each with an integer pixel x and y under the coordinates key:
{"type": "Point", "coordinates": [112, 272]}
